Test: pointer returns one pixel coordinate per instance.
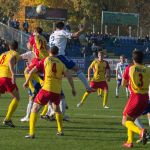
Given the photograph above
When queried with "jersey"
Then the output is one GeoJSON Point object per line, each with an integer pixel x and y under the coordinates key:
{"type": "Point", "coordinates": [138, 78]}
{"type": "Point", "coordinates": [59, 39]}
{"type": "Point", "coordinates": [38, 42]}
{"type": "Point", "coordinates": [120, 69]}
{"type": "Point", "coordinates": [4, 63]}
{"type": "Point", "coordinates": [28, 56]}
{"type": "Point", "coordinates": [53, 73]}
{"type": "Point", "coordinates": [99, 69]}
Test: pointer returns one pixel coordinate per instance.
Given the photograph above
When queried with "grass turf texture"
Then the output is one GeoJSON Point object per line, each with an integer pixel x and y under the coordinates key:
{"type": "Point", "coordinates": [90, 127]}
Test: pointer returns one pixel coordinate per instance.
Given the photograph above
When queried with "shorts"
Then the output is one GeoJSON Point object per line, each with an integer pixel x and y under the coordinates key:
{"type": "Point", "coordinates": [119, 82]}
{"type": "Point", "coordinates": [136, 105]}
{"type": "Point", "coordinates": [6, 85]}
{"type": "Point", "coordinates": [43, 97]}
{"type": "Point", "coordinates": [37, 87]}
{"type": "Point", "coordinates": [96, 85]}
{"type": "Point", "coordinates": [67, 62]}
{"type": "Point", "coordinates": [147, 110]}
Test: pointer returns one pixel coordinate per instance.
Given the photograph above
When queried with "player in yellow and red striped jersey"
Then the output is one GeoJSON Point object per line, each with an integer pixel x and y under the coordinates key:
{"type": "Point", "coordinates": [54, 71]}
{"type": "Point", "coordinates": [7, 79]}
{"type": "Point", "coordinates": [101, 71]}
{"type": "Point", "coordinates": [137, 77]}
{"type": "Point", "coordinates": [37, 43]}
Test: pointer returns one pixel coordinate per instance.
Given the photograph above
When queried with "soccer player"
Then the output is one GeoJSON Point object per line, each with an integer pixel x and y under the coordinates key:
{"type": "Point", "coordinates": [137, 78]}
{"type": "Point", "coordinates": [59, 39]}
{"type": "Point", "coordinates": [37, 43]}
{"type": "Point", "coordinates": [28, 57]}
{"type": "Point", "coordinates": [101, 71]}
{"type": "Point", "coordinates": [54, 71]}
{"type": "Point", "coordinates": [119, 72]}
{"type": "Point", "coordinates": [8, 61]}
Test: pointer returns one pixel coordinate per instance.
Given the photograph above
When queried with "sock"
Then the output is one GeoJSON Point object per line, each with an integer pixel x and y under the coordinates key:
{"type": "Point", "coordinates": [33, 119]}
{"type": "Point", "coordinates": [29, 107]}
{"type": "Point", "coordinates": [99, 92]}
{"type": "Point", "coordinates": [82, 77]}
{"type": "Point", "coordinates": [31, 86]}
{"type": "Point", "coordinates": [59, 121]}
{"type": "Point", "coordinates": [105, 98]}
{"type": "Point", "coordinates": [62, 106]}
{"type": "Point", "coordinates": [50, 111]}
{"type": "Point", "coordinates": [117, 91]}
{"type": "Point", "coordinates": [149, 121]}
{"type": "Point", "coordinates": [11, 109]}
{"type": "Point", "coordinates": [84, 97]}
{"type": "Point", "coordinates": [130, 136]}
{"type": "Point", "coordinates": [131, 126]}
{"type": "Point", "coordinates": [127, 92]}
{"type": "Point", "coordinates": [138, 123]}
{"type": "Point", "coordinates": [43, 113]}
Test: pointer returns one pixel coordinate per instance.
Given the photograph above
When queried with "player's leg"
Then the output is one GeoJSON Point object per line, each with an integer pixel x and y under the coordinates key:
{"type": "Point", "coordinates": [148, 116]}
{"type": "Point", "coordinates": [117, 87]}
{"type": "Point", "coordinates": [59, 119]}
{"type": "Point", "coordinates": [84, 97]}
{"type": "Point", "coordinates": [43, 113]}
{"type": "Point", "coordinates": [104, 87]}
{"type": "Point", "coordinates": [33, 118]}
{"type": "Point", "coordinates": [99, 92]}
{"type": "Point", "coordinates": [133, 109]}
{"type": "Point", "coordinates": [11, 88]}
{"type": "Point", "coordinates": [71, 65]}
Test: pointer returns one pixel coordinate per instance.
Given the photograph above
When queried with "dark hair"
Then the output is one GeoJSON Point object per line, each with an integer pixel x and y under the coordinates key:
{"type": "Point", "coordinates": [54, 50]}
{"type": "Point", "coordinates": [13, 45]}
{"type": "Point", "coordinates": [60, 25]}
{"type": "Point", "coordinates": [39, 30]}
{"type": "Point", "coordinates": [137, 56]}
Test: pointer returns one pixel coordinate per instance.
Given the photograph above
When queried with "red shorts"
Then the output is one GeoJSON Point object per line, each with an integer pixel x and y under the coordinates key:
{"type": "Point", "coordinates": [6, 85]}
{"type": "Point", "coordinates": [43, 97]}
{"type": "Point", "coordinates": [33, 63]}
{"type": "Point", "coordinates": [102, 84]}
{"type": "Point", "coordinates": [136, 105]}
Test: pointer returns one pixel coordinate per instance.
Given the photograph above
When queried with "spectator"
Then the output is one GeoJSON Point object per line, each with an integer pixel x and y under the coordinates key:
{"type": "Point", "coordinates": [25, 26]}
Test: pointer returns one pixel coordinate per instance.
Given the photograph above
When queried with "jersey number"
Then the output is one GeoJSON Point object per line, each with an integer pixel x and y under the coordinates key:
{"type": "Point", "coordinates": [141, 80]}
{"type": "Point", "coordinates": [54, 69]}
{"type": "Point", "coordinates": [2, 59]}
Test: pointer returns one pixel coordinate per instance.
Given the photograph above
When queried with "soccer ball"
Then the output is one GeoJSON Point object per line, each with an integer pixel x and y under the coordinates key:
{"type": "Point", "coordinates": [41, 10]}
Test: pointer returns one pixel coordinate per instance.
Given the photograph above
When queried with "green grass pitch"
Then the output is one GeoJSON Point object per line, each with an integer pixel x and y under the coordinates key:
{"type": "Point", "coordinates": [90, 127]}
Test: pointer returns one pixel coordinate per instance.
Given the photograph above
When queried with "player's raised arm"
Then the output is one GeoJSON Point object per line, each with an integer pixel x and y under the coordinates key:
{"type": "Point", "coordinates": [81, 30]}
{"type": "Point", "coordinates": [70, 80]}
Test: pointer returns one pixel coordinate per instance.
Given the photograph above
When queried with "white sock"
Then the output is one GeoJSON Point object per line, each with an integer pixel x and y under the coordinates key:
{"type": "Point", "coordinates": [62, 106]}
{"type": "Point", "coordinates": [149, 121]}
{"type": "Point", "coordinates": [117, 91]}
{"type": "Point", "coordinates": [29, 107]}
{"type": "Point", "coordinates": [138, 123]}
{"type": "Point", "coordinates": [127, 92]}
{"type": "Point", "coordinates": [82, 77]}
{"type": "Point", "coordinates": [50, 110]}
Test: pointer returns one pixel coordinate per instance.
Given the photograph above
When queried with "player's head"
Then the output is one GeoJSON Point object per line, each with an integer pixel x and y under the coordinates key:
{"type": "Point", "coordinates": [53, 51]}
{"type": "Point", "coordinates": [100, 54]}
{"type": "Point", "coordinates": [122, 58]}
{"type": "Point", "coordinates": [38, 30]}
{"type": "Point", "coordinates": [60, 25]}
{"type": "Point", "coordinates": [137, 56]}
{"type": "Point", "coordinates": [13, 45]}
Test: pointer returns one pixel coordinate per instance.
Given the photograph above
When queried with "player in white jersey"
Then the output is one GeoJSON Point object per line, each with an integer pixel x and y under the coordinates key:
{"type": "Point", "coordinates": [59, 38]}
{"type": "Point", "coordinates": [119, 72]}
{"type": "Point", "coordinates": [28, 57]}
